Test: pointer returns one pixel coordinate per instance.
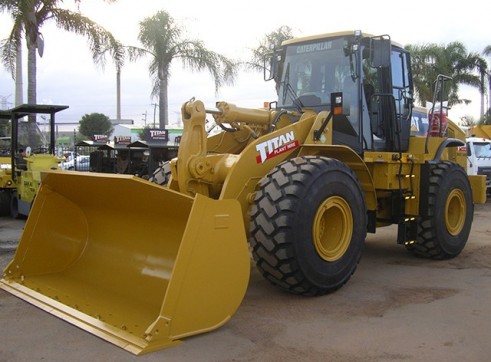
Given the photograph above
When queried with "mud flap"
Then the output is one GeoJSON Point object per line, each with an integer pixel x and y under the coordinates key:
{"type": "Point", "coordinates": [136, 264]}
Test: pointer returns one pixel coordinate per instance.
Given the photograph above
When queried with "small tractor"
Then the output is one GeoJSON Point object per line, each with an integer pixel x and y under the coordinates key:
{"type": "Point", "coordinates": [20, 178]}
{"type": "Point", "coordinates": [299, 184]}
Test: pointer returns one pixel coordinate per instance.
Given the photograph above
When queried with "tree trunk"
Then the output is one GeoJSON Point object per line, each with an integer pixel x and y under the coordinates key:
{"type": "Point", "coordinates": [118, 93]}
{"type": "Point", "coordinates": [163, 104]}
{"type": "Point", "coordinates": [489, 94]}
{"type": "Point", "coordinates": [482, 91]}
{"type": "Point", "coordinates": [31, 74]}
{"type": "Point", "coordinates": [31, 91]}
{"type": "Point", "coordinates": [19, 86]}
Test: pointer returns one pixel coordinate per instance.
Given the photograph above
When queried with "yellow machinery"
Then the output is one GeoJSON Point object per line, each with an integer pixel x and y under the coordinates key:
{"type": "Point", "coordinates": [21, 176]}
{"type": "Point", "coordinates": [481, 130]}
{"type": "Point", "coordinates": [7, 184]}
{"type": "Point", "coordinates": [301, 184]}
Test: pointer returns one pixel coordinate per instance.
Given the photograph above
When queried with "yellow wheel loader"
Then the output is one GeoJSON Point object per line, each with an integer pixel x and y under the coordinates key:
{"type": "Point", "coordinates": [299, 184]}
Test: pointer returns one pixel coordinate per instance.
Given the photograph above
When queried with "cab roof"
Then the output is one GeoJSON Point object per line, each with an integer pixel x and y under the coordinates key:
{"type": "Point", "coordinates": [330, 35]}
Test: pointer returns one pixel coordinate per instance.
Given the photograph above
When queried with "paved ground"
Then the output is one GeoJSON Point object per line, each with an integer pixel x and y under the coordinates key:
{"type": "Point", "coordinates": [10, 232]}
{"type": "Point", "coordinates": [395, 308]}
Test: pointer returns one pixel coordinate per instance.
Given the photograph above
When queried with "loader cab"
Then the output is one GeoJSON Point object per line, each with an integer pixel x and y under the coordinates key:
{"type": "Point", "coordinates": [373, 75]}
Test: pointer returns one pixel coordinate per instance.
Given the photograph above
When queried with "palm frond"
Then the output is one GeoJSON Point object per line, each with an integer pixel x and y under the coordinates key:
{"type": "Point", "coordinates": [9, 47]}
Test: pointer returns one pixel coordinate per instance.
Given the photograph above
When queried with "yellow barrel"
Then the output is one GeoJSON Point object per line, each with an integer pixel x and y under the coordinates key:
{"type": "Point", "coordinates": [134, 263]}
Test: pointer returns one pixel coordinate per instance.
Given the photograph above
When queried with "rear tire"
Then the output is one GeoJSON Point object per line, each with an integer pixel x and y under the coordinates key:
{"type": "Point", "coordinates": [5, 196]}
{"type": "Point", "coordinates": [443, 233]}
{"type": "Point", "coordinates": [308, 225]}
{"type": "Point", "coordinates": [14, 206]}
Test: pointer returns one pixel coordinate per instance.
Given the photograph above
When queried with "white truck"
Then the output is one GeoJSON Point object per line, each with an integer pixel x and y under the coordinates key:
{"type": "Point", "coordinates": [479, 158]}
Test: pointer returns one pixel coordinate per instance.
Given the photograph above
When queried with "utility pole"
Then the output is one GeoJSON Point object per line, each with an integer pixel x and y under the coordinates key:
{"type": "Point", "coordinates": [145, 118]}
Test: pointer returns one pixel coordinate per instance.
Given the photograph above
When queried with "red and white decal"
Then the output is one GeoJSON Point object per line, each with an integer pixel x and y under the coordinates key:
{"type": "Point", "coordinates": [276, 146]}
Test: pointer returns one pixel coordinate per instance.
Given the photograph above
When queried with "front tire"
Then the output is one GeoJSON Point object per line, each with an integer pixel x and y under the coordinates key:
{"type": "Point", "coordinates": [308, 225]}
{"type": "Point", "coordinates": [444, 230]}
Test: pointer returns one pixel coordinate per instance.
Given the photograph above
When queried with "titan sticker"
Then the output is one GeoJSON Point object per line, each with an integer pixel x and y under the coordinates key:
{"type": "Point", "coordinates": [276, 146]}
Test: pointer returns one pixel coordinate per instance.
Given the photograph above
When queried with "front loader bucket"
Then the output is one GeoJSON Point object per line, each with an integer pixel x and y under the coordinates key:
{"type": "Point", "coordinates": [136, 264]}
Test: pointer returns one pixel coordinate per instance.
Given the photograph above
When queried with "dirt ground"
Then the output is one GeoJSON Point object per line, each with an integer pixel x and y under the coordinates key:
{"type": "Point", "coordinates": [395, 308]}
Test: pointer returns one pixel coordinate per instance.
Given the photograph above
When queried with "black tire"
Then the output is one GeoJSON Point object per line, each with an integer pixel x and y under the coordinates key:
{"type": "Point", "coordinates": [161, 175]}
{"type": "Point", "coordinates": [443, 233]}
{"type": "Point", "coordinates": [296, 236]}
{"type": "Point", "coordinates": [14, 206]}
{"type": "Point", "coordinates": [5, 202]}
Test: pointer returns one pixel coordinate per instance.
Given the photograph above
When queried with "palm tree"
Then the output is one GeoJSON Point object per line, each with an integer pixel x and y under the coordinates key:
{"type": "Point", "coordinates": [453, 60]}
{"type": "Point", "coordinates": [267, 45]}
{"type": "Point", "coordinates": [482, 69]}
{"type": "Point", "coordinates": [117, 52]}
{"type": "Point", "coordinates": [28, 18]}
{"type": "Point", "coordinates": [164, 41]}
{"type": "Point", "coordinates": [487, 52]}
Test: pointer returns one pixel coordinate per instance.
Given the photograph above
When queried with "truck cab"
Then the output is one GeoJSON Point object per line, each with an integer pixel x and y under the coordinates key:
{"type": "Point", "coordinates": [479, 158]}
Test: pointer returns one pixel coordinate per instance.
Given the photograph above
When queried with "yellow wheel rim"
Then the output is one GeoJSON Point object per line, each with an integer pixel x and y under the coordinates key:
{"type": "Point", "coordinates": [455, 212]}
{"type": "Point", "coordinates": [333, 228]}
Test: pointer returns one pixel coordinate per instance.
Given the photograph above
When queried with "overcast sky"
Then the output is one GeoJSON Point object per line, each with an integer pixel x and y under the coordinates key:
{"type": "Point", "coordinates": [66, 74]}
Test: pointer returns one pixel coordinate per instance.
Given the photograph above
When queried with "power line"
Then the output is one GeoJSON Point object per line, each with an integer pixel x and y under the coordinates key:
{"type": "Point", "coordinates": [4, 104]}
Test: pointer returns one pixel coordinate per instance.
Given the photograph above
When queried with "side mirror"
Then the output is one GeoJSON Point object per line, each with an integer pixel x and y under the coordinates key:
{"type": "Point", "coordinates": [380, 51]}
{"type": "Point", "coordinates": [270, 66]}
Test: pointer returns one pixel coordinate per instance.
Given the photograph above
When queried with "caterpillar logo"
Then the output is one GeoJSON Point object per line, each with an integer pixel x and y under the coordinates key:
{"type": "Point", "coordinates": [276, 146]}
{"type": "Point", "coordinates": [315, 47]}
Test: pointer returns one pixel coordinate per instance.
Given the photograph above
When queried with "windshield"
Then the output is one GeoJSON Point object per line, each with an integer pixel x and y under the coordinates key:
{"type": "Point", "coordinates": [30, 135]}
{"type": "Point", "coordinates": [312, 71]}
{"type": "Point", "coordinates": [482, 149]}
{"type": "Point", "coordinates": [419, 123]}
{"type": "Point", "coordinates": [4, 146]}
